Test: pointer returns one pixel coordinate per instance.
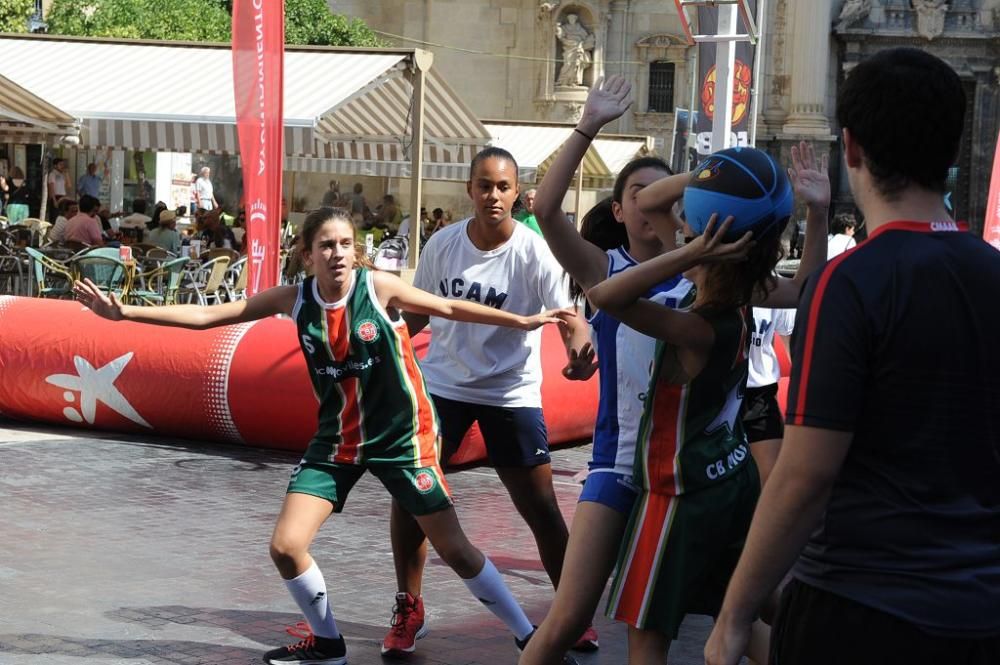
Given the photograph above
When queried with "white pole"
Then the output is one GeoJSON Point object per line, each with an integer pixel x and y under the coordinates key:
{"type": "Point", "coordinates": [758, 64]}
{"type": "Point", "coordinates": [725, 61]}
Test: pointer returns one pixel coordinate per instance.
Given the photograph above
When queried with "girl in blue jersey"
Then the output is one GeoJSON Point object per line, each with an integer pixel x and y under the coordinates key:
{"type": "Point", "coordinates": [615, 236]}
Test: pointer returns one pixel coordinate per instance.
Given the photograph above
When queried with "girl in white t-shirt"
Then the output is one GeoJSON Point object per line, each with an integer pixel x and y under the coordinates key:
{"type": "Point", "coordinates": [762, 417]}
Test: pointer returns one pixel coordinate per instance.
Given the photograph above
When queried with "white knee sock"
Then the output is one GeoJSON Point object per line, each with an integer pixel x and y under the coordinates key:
{"type": "Point", "coordinates": [491, 591]}
{"type": "Point", "coordinates": [309, 592]}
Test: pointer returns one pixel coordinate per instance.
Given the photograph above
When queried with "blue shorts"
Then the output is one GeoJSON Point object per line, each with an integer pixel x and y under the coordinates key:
{"type": "Point", "coordinates": [610, 488]}
{"type": "Point", "coordinates": [514, 436]}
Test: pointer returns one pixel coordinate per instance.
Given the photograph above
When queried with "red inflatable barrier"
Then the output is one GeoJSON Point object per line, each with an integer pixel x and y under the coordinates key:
{"type": "Point", "coordinates": [248, 383]}
{"type": "Point", "coordinates": [785, 363]}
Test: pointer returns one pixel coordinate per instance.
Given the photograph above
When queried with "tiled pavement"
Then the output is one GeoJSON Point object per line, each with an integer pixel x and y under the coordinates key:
{"type": "Point", "coordinates": [118, 550]}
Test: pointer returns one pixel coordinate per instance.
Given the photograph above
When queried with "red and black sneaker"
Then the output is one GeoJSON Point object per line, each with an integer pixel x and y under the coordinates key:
{"type": "Point", "coordinates": [407, 626]}
{"type": "Point", "coordinates": [311, 650]}
{"type": "Point", "coordinates": [587, 641]}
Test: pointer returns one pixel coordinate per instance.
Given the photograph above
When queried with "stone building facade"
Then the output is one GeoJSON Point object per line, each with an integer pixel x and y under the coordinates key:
{"type": "Point", "coordinates": [521, 60]}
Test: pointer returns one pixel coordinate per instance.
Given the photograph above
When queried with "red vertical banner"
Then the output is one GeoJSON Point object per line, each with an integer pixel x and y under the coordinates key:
{"type": "Point", "coordinates": [258, 81]}
{"type": "Point", "coordinates": [991, 226]}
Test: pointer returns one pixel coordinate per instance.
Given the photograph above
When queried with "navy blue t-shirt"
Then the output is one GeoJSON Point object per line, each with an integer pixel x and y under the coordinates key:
{"type": "Point", "coordinates": [898, 341]}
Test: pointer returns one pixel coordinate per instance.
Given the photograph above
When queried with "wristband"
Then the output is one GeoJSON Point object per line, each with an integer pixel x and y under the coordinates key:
{"type": "Point", "coordinates": [589, 138]}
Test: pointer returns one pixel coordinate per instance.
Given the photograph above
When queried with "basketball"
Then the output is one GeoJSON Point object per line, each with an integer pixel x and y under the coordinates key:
{"type": "Point", "coordinates": [744, 183]}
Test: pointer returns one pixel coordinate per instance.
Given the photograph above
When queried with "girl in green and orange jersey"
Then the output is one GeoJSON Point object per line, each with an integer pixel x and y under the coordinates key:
{"type": "Point", "coordinates": [692, 461]}
{"type": "Point", "coordinates": [374, 415]}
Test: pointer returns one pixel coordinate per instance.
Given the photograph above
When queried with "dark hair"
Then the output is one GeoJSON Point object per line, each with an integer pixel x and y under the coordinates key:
{"type": "Point", "coordinates": [139, 206]}
{"type": "Point", "coordinates": [358, 188]}
{"type": "Point", "coordinates": [16, 172]}
{"type": "Point", "coordinates": [734, 285]}
{"type": "Point", "coordinates": [842, 222]}
{"type": "Point", "coordinates": [599, 226]}
{"type": "Point", "coordinates": [315, 220]}
{"type": "Point", "coordinates": [437, 212]}
{"type": "Point", "coordinates": [905, 108]}
{"type": "Point", "coordinates": [487, 153]}
{"type": "Point", "coordinates": [64, 205]}
{"type": "Point", "coordinates": [637, 165]}
{"type": "Point", "coordinates": [88, 203]}
{"type": "Point", "coordinates": [57, 161]}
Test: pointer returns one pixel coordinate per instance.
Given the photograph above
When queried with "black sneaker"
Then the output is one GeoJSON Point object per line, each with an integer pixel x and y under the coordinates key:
{"type": "Point", "coordinates": [567, 659]}
{"type": "Point", "coordinates": [312, 650]}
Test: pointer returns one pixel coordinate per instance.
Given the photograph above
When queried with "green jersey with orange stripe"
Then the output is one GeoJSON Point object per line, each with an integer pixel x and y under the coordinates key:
{"type": "Point", "coordinates": [373, 405]}
{"type": "Point", "coordinates": [691, 435]}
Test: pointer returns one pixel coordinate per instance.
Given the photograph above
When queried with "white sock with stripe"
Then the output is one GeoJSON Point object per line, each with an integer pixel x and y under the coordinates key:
{"type": "Point", "coordinates": [491, 591]}
{"type": "Point", "coordinates": [309, 592]}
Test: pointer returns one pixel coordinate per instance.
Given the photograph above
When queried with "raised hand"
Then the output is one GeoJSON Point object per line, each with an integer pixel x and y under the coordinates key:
{"type": "Point", "coordinates": [809, 178]}
{"type": "Point", "coordinates": [581, 366]}
{"type": "Point", "coordinates": [607, 101]}
{"type": "Point", "coordinates": [94, 299]}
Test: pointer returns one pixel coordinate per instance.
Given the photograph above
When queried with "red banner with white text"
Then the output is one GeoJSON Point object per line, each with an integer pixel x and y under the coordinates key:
{"type": "Point", "coordinates": [991, 227]}
{"type": "Point", "coordinates": [258, 81]}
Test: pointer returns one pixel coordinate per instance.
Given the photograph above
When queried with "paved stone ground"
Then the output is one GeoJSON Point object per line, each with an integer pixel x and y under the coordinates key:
{"type": "Point", "coordinates": [118, 550]}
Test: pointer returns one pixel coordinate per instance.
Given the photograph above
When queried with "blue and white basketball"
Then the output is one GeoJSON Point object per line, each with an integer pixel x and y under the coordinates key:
{"type": "Point", "coordinates": [744, 183]}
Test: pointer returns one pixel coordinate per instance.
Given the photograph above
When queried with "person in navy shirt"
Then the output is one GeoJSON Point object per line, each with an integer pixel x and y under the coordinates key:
{"type": "Point", "coordinates": [886, 492]}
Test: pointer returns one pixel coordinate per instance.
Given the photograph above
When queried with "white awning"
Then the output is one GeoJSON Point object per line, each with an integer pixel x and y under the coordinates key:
{"type": "Point", "coordinates": [384, 159]}
{"type": "Point", "coordinates": [535, 146]}
{"type": "Point", "coordinates": [27, 118]}
{"type": "Point", "coordinates": [178, 97]}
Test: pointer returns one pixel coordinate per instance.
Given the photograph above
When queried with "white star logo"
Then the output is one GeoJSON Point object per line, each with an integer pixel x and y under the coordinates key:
{"type": "Point", "coordinates": [727, 416]}
{"type": "Point", "coordinates": [96, 385]}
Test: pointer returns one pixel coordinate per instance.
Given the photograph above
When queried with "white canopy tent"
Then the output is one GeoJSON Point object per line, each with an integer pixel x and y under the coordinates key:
{"type": "Point", "coordinates": [373, 111]}
{"type": "Point", "coordinates": [535, 146]}
{"type": "Point", "coordinates": [27, 118]}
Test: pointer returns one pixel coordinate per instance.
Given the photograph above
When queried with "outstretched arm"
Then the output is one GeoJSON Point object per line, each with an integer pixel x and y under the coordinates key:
{"type": "Point", "coordinates": [812, 186]}
{"type": "Point", "coordinates": [279, 300]}
{"type": "Point", "coordinates": [394, 292]}
{"type": "Point", "coordinates": [585, 263]}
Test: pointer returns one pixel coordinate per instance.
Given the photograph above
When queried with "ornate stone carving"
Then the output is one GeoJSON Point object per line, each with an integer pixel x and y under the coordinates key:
{"type": "Point", "coordinates": [989, 15]}
{"type": "Point", "coordinates": [546, 8]}
{"type": "Point", "coordinates": [853, 12]}
{"type": "Point", "coordinates": [930, 17]}
{"type": "Point", "coordinates": [573, 111]}
{"type": "Point", "coordinates": [577, 44]}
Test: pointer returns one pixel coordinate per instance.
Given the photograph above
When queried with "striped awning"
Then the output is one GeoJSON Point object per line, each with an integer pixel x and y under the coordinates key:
{"type": "Point", "coordinates": [27, 118]}
{"type": "Point", "coordinates": [331, 95]}
{"type": "Point", "coordinates": [535, 146]}
{"type": "Point", "coordinates": [384, 158]}
{"type": "Point", "coordinates": [208, 138]}
{"type": "Point", "coordinates": [392, 160]}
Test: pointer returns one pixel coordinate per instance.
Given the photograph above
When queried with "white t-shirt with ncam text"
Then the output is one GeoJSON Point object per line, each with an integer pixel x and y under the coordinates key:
{"type": "Point", "coordinates": [478, 363]}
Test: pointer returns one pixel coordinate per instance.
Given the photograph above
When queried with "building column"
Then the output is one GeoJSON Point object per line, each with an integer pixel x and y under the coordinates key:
{"type": "Point", "coordinates": [810, 42]}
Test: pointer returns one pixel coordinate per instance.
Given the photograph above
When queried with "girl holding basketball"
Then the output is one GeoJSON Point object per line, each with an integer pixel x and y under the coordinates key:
{"type": "Point", "coordinates": [698, 486]}
{"type": "Point", "coordinates": [374, 415]}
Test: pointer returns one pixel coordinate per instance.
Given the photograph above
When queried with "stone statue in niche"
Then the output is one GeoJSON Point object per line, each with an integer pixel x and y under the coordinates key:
{"type": "Point", "coordinates": [577, 44]}
{"type": "Point", "coordinates": [930, 17]}
{"type": "Point", "coordinates": [853, 12]}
